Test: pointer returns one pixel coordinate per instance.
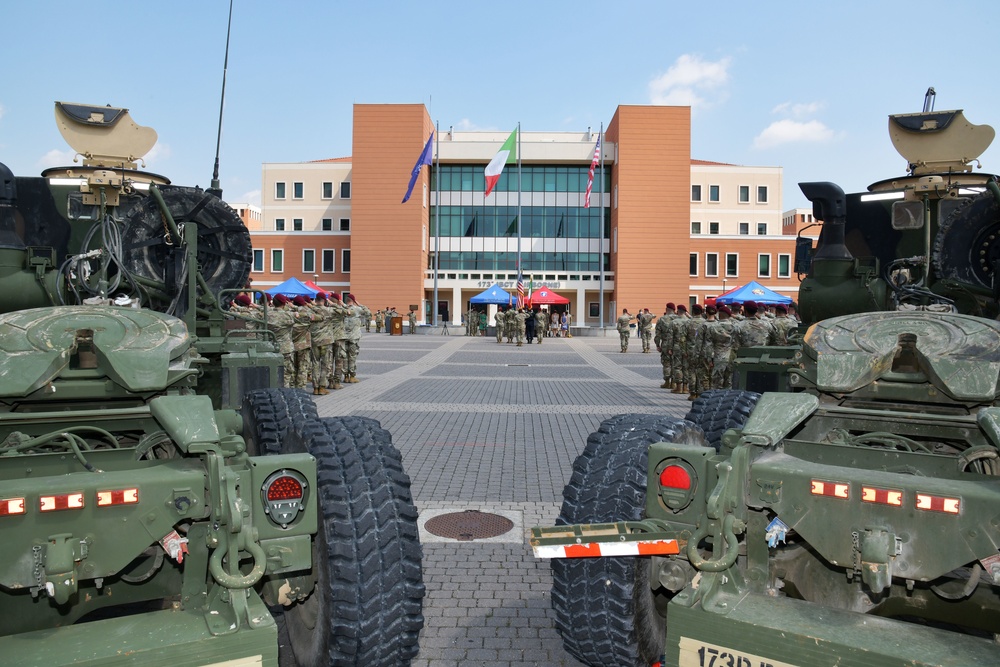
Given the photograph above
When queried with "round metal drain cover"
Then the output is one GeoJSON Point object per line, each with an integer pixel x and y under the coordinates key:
{"type": "Point", "coordinates": [468, 525]}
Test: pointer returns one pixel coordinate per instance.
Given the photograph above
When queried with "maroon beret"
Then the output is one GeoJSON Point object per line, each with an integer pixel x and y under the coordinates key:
{"type": "Point", "coordinates": [671, 306]}
{"type": "Point", "coordinates": [243, 299]}
{"type": "Point", "coordinates": [682, 308]}
{"type": "Point", "coordinates": [281, 299]}
{"type": "Point", "coordinates": [300, 300]}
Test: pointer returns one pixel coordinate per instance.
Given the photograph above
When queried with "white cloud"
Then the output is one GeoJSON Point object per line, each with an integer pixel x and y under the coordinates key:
{"type": "Point", "coordinates": [251, 197]}
{"type": "Point", "coordinates": [797, 110]}
{"type": "Point", "coordinates": [792, 131]}
{"type": "Point", "coordinates": [56, 158]}
{"type": "Point", "coordinates": [691, 81]}
{"type": "Point", "coordinates": [466, 125]}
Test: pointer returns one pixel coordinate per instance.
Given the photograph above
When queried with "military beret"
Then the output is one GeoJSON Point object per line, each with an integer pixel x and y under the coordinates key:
{"type": "Point", "coordinates": [750, 304]}
{"type": "Point", "coordinates": [351, 297]}
{"type": "Point", "coordinates": [281, 299]}
{"type": "Point", "coordinates": [300, 300]}
{"type": "Point", "coordinates": [696, 309]}
{"type": "Point", "coordinates": [726, 310]}
{"type": "Point", "coordinates": [711, 310]}
{"type": "Point", "coordinates": [750, 307]}
{"type": "Point", "coordinates": [780, 308]}
{"type": "Point", "coordinates": [671, 306]}
{"type": "Point", "coordinates": [682, 308]}
{"type": "Point", "coordinates": [243, 299]}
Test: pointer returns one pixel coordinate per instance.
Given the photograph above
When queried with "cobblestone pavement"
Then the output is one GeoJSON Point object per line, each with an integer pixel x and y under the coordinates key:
{"type": "Point", "coordinates": [494, 428]}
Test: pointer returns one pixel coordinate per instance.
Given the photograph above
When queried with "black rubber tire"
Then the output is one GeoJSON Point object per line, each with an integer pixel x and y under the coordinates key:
{"type": "Point", "coordinates": [606, 610]}
{"type": "Point", "coordinates": [269, 414]}
{"type": "Point", "coordinates": [967, 245]}
{"type": "Point", "coordinates": [367, 607]}
{"type": "Point", "coordinates": [225, 253]}
{"type": "Point", "coordinates": [719, 410]}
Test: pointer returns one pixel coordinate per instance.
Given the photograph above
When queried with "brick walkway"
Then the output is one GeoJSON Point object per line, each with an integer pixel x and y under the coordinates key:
{"type": "Point", "coordinates": [494, 428]}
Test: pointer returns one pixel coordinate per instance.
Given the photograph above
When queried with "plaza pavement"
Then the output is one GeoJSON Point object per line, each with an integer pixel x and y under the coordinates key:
{"type": "Point", "coordinates": [494, 428]}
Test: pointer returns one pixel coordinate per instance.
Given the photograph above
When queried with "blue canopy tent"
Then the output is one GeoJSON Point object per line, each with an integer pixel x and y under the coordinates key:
{"type": "Point", "coordinates": [494, 294]}
{"type": "Point", "coordinates": [292, 287]}
{"type": "Point", "coordinates": [753, 291]}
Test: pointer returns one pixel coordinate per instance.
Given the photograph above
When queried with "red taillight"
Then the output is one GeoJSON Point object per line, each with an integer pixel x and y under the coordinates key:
{"type": "Point", "coordinates": [285, 487]}
{"type": "Point", "coordinates": [675, 477]}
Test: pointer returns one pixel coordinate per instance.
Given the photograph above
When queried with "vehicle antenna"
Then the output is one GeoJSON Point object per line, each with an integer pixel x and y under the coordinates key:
{"type": "Point", "coordinates": [215, 187]}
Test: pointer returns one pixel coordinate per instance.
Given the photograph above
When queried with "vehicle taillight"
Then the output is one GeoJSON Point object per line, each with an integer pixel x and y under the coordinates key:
{"type": "Point", "coordinates": [283, 495]}
{"type": "Point", "coordinates": [678, 482]}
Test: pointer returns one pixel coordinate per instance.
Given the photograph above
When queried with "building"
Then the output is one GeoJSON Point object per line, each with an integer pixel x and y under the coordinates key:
{"type": "Point", "coordinates": [653, 211]}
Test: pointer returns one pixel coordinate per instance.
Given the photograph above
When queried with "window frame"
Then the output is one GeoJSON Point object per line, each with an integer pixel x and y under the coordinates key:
{"type": "Point", "coordinates": [278, 253]}
{"type": "Point", "coordinates": [788, 265]}
{"type": "Point", "coordinates": [326, 224]}
{"type": "Point", "coordinates": [713, 228]}
{"type": "Point", "coordinates": [709, 273]}
{"type": "Point", "coordinates": [739, 194]}
{"type": "Point", "coordinates": [282, 185]}
{"type": "Point", "coordinates": [279, 224]}
{"type": "Point", "coordinates": [714, 194]}
{"type": "Point", "coordinates": [298, 190]}
{"type": "Point", "coordinates": [326, 187]}
{"type": "Point", "coordinates": [761, 226]}
{"type": "Point", "coordinates": [257, 253]}
{"type": "Point", "coordinates": [332, 254]}
{"type": "Point", "coordinates": [698, 198]}
{"type": "Point", "coordinates": [693, 264]}
{"type": "Point", "coordinates": [744, 228]}
{"type": "Point", "coordinates": [342, 228]}
{"type": "Point", "coordinates": [297, 224]}
{"type": "Point", "coordinates": [345, 189]}
{"type": "Point", "coordinates": [345, 260]}
{"type": "Point", "coordinates": [696, 228]}
{"type": "Point", "coordinates": [307, 252]}
{"type": "Point", "coordinates": [736, 272]}
{"type": "Point", "coordinates": [760, 189]}
{"type": "Point", "coordinates": [761, 274]}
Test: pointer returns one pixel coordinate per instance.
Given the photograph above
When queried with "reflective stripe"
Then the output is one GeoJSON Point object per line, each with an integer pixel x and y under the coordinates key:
{"type": "Point", "coordinates": [598, 549]}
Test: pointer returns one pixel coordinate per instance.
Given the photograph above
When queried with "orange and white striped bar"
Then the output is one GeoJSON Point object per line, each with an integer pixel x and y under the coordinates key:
{"type": "Point", "coordinates": [604, 549]}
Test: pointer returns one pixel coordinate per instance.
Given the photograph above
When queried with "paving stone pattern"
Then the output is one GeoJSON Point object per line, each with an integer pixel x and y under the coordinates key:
{"type": "Point", "coordinates": [480, 430]}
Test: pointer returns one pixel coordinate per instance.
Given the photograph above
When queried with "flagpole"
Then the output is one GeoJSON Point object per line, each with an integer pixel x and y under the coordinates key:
{"type": "Point", "coordinates": [519, 198]}
{"type": "Point", "coordinates": [600, 253]}
{"type": "Point", "coordinates": [437, 214]}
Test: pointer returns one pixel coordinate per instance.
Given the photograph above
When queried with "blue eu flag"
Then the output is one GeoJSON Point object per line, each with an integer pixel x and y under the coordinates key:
{"type": "Point", "coordinates": [425, 158]}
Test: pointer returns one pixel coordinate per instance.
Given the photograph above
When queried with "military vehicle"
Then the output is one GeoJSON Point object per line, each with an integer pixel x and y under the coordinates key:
{"type": "Point", "coordinates": [162, 498]}
{"type": "Point", "coordinates": [851, 520]}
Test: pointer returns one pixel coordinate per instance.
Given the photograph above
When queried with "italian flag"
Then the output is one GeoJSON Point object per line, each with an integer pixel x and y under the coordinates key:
{"type": "Point", "coordinates": [506, 155]}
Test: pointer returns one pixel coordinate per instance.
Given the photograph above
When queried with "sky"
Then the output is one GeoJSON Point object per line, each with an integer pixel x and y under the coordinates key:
{"type": "Point", "coordinates": [802, 85]}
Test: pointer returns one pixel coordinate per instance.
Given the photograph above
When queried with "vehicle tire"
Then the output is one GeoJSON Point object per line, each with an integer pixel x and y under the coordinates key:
{"type": "Point", "coordinates": [225, 253]}
{"type": "Point", "coordinates": [366, 609]}
{"type": "Point", "coordinates": [269, 414]}
{"type": "Point", "coordinates": [606, 611]}
{"type": "Point", "coordinates": [719, 410]}
{"type": "Point", "coordinates": [966, 246]}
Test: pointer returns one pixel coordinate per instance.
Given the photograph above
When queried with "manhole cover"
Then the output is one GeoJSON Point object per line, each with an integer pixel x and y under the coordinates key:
{"type": "Point", "coordinates": [469, 525]}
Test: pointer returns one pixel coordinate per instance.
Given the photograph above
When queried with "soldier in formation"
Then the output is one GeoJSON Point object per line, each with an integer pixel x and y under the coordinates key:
{"type": "Point", "coordinates": [498, 320]}
{"type": "Point", "coordinates": [693, 366]}
{"type": "Point", "coordinates": [541, 324]}
{"type": "Point", "coordinates": [280, 319]}
{"type": "Point", "coordinates": [520, 317]}
{"type": "Point", "coordinates": [321, 336]}
{"type": "Point", "coordinates": [783, 325]}
{"type": "Point", "coordinates": [678, 365]}
{"type": "Point", "coordinates": [623, 325]}
{"type": "Point", "coordinates": [664, 341]}
{"type": "Point", "coordinates": [302, 341]}
{"type": "Point", "coordinates": [645, 322]}
{"type": "Point", "coordinates": [352, 330]}
{"type": "Point", "coordinates": [379, 321]}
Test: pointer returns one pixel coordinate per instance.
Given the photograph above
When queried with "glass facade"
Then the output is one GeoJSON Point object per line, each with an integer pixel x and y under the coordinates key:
{"type": "Point", "coordinates": [534, 178]}
{"type": "Point", "coordinates": [551, 222]}
{"type": "Point", "coordinates": [530, 261]}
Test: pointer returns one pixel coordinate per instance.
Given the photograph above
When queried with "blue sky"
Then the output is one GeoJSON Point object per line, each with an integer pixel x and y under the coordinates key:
{"type": "Point", "coordinates": [804, 85]}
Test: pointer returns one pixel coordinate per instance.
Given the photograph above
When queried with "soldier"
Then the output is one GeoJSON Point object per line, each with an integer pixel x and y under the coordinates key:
{"type": "Point", "coordinates": [243, 307]}
{"type": "Point", "coordinates": [679, 327]}
{"type": "Point", "coordinates": [412, 318]}
{"type": "Point", "coordinates": [646, 328]}
{"type": "Point", "coordinates": [664, 341]}
{"type": "Point", "coordinates": [280, 320]}
{"type": "Point", "coordinates": [754, 330]}
{"type": "Point", "coordinates": [352, 329]}
{"type": "Point", "coordinates": [793, 312]}
{"type": "Point", "coordinates": [623, 333]}
{"type": "Point", "coordinates": [693, 365]}
{"type": "Point", "coordinates": [471, 322]}
{"type": "Point", "coordinates": [337, 358]}
{"type": "Point", "coordinates": [783, 325]}
{"type": "Point", "coordinates": [302, 341]}
{"type": "Point", "coordinates": [321, 335]}
{"type": "Point", "coordinates": [738, 315]}
{"type": "Point", "coordinates": [498, 321]}
{"type": "Point", "coordinates": [520, 317]}
{"type": "Point", "coordinates": [379, 321]}
{"type": "Point", "coordinates": [716, 348]}
{"type": "Point", "coordinates": [541, 324]}
{"type": "Point", "coordinates": [510, 324]}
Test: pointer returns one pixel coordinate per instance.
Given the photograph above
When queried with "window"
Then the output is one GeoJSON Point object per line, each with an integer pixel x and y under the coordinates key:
{"type": "Point", "coordinates": [761, 229]}
{"type": "Point", "coordinates": [345, 260]}
{"type": "Point", "coordinates": [279, 224]}
{"type": "Point", "coordinates": [327, 224]}
{"type": "Point", "coordinates": [711, 264]}
{"type": "Point", "coordinates": [298, 190]}
{"type": "Point", "coordinates": [784, 266]}
{"type": "Point", "coordinates": [763, 266]}
{"type": "Point", "coordinates": [277, 261]}
{"type": "Point", "coordinates": [713, 228]}
{"type": "Point", "coordinates": [593, 309]}
{"type": "Point", "coordinates": [327, 190]}
{"type": "Point", "coordinates": [345, 190]}
{"type": "Point", "coordinates": [695, 193]}
{"type": "Point", "coordinates": [693, 262]}
{"type": "Point", "coordinates": [297, 224]}
{"type": "Point", "coordinates": [744, 194]}
{"type": "Point", "coordinates": [744, 228]}
{"type": "Point", "coordinates": [732, 264]}
{"type": "Point", "coordinates": [696, 228]}
{"type": "Point", "coordinates": [308, 261]}
{"type": "Point", "coordinates": [761, 194]}
{"type": "Point", "coordinates": [345, 224]}
{"type": "Point", "coordinates": [713, 193]}
{"type": "Point", "coordinates": [328, 260]}
{"type": "Point", "coordinates": [279, 190]}
{"type": "Point", "coordinates": [258, 260]}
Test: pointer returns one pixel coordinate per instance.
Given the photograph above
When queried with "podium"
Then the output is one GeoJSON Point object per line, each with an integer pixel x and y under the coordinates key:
{"type": "Point", "coordinates": [395, 326]}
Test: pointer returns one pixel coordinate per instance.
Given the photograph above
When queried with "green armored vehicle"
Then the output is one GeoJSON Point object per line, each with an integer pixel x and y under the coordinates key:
{"type": "Point", "coordinates": [852, 520]}
{"type": "Point", "coordinates": [162, 500]}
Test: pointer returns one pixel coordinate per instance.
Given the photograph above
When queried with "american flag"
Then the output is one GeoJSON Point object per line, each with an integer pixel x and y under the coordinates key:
{"type": "Point", "coordinates": [593, 166]}
{"type": "Point", "coordinates": [520, 290]}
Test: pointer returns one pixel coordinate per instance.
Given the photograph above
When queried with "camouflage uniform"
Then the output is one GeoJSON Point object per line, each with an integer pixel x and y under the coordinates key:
{"type": "Point", "coordinates": [541, 324]}
{"type": "Point", "coordinates": [664, 341]}
{"type": "Point", "coordinates": [754, 331]}
{"type": "Point", "coordinates": [379, 321]}
{"type": "Point", "coordinates": [303, 345]}
{"type": "Point", "coordinates": [520, 317]}
{"type": "Point", "coordinates": [510, 319]}
{"type": "Point", "coordinates": [623, 332]}
{"type": "Point", "coordinates": [717, 351]}
{"type": "Point", "coordinates": [782, 326]}
{"type": "Point", "coordinates": [338, 350]}
{"type": "Point", "coordinates": [280, 320]}
{"type": "Point", "coordinates": [693, 367]}
{"type": "Point", "coordinates": [412, 317]}
{"type": "Point", "coordinates": [646, 328]}
{"type": "Point", "coordinates": [352, 327]}
{"type": "Point", "coordinates": [679, 368]}
{"type": "Point", "coordinates": [499, 320]}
